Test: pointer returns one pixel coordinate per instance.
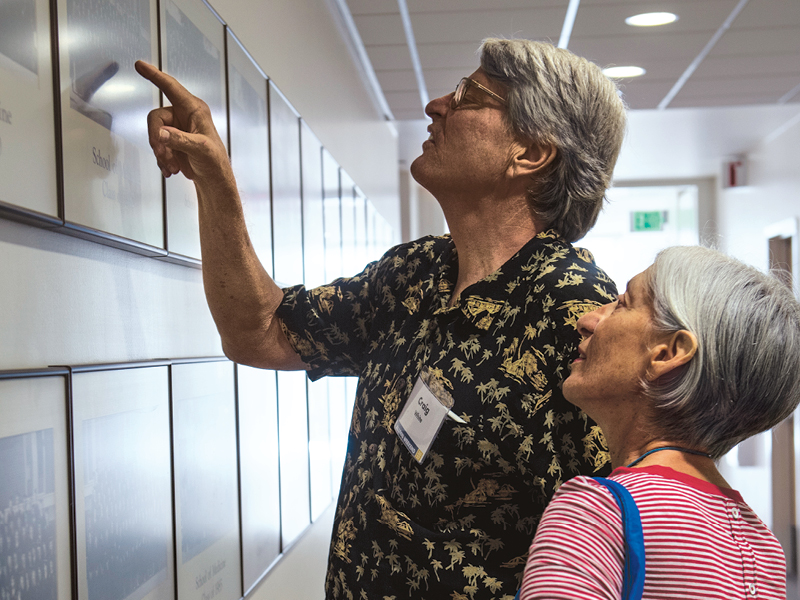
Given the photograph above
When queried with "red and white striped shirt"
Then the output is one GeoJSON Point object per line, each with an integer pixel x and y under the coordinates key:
{"type": "Point", "coordinates": [701, 542]}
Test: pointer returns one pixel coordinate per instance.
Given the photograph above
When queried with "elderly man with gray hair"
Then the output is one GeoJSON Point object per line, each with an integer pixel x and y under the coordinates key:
{"type": "Point", "coordinates": [460, 433]}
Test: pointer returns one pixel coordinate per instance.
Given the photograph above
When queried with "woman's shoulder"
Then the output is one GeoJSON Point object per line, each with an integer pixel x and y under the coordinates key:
{"type": "Point", "coordinates": [584, 493]}
{"type": "Point", "coordinates": [652, 488]}
{"type": "Point", "coordinates": [662, 478]}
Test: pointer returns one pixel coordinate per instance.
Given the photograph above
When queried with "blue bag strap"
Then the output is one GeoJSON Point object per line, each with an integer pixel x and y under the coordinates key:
{"type": "Point", "coordinates": [634, 569]}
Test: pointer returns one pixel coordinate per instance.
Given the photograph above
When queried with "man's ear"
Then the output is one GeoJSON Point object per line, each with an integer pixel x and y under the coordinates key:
{"type": "Point", "coordinates": [532, 159]}
{"type": "Point", "coordinates": [674, 352]}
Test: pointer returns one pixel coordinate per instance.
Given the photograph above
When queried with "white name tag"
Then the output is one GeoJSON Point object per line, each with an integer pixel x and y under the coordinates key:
{"type": "Point", "coordinates": [420, 420]}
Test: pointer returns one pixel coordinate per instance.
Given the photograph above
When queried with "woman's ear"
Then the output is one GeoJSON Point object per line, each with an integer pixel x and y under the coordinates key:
{"type": "Point", "coordinates": [674, 352]}
{"type": "Point", "coordinates": [532, 159]}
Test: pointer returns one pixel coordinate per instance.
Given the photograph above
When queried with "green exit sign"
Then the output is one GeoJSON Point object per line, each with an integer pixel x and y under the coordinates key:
{"type": "Point", "coordinates": [648, 220]}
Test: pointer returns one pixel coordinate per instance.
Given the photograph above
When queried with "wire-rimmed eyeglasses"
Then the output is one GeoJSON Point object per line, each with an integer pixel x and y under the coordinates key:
{"type": "Point", "coordinates": [464, 85]}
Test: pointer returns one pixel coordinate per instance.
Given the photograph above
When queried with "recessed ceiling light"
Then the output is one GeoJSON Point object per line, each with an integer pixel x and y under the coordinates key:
{"type": "Point", "coordinates": [651, 19]}
{"type": "Point", "coordinates": [622, 72]}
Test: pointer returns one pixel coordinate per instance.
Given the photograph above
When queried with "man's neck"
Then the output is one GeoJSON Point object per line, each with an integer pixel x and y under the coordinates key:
{"type": "Point", "coordinates": [486, 239]}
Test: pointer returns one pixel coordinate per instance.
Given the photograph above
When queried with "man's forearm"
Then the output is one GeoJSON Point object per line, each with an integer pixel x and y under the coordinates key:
{"type": "Point", "coordinates": [241, 295]}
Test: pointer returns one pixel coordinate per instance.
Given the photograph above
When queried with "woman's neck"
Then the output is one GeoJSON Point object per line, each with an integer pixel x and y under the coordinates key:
{"type": "Point", "coordinates": [676, 458]}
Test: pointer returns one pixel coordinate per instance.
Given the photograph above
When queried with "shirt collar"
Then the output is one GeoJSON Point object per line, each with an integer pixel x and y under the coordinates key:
{"type": "Point", "coordinates": [482, 301]}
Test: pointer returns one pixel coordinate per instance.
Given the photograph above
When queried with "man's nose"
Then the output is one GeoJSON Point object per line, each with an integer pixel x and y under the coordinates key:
{"type": "Point", "coordinates": [439, 105]}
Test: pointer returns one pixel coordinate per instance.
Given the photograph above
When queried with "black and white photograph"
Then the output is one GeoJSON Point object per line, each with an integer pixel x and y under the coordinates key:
{"type": "Point", "coordinates": [293, 422]}
{"type": "Point", "coordinates": [34, 497]}
{"type": "Point", "coordinates": [313, 223]}
{"type": "Point", "coordinates": [122, 479]}
{"type": "Point", "coordinates": [350, 264]}
{"type": "Point", "coordinates": [373, 250]}
{"type": "Point", "coordinates": [206, 481]}
{"type": "Point", "coordinates": [18, 34]}
{"type": "Point", "coordinates": [193, 51]}
{"type": "Point", "coordinates": [332, 211]}
{"type": "Point", "coordinates": [111, 182]}
{"type": "Point", "coordinates": [319, 446]}
{"type": "Point", "coordinates": [284, 134]}
{"type": "Point", "coordinates": [26, 94]}
{"type": "Point", "coordinates": [339, 428]}
{"type": "Point", "coordinates": [361, 254]}
{"type": "Point", "coordinates": [258, 468]}
{"type": "Point", "coordinates": [247, 90]}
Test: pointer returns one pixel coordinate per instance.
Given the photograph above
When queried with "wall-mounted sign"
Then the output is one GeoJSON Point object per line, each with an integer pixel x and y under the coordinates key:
{"type": "Point", "coordinates": [653, 220]}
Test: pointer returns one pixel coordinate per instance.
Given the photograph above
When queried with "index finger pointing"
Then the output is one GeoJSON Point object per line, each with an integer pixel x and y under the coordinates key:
{"type": "Point", "coordinates": [173, 90]}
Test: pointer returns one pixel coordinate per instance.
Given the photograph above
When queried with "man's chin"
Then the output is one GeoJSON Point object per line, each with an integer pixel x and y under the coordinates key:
{"type": "Point", "coordinates": [417, 170]}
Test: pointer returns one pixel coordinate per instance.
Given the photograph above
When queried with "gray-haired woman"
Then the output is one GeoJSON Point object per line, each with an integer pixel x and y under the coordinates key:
{"type": "Point", "coordinates": [698, 354]}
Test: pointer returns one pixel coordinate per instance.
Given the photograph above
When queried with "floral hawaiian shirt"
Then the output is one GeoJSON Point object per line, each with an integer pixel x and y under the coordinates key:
{"type": "Point", "coordinates": [459, 525]}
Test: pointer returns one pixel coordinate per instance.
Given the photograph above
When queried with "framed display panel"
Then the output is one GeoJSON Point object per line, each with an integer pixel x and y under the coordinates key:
{"type": "Point", "coordinates": [361, 250]}
{"type": "Point", "coordinates": [349, 263]}
{"type": "Point", "coordinates": [332, 215]}
{"type": "Point", "coordinates": [319, 446]}
{"type": "Point", "coordinates": [284, 131]}
{"type": "Point", "coordinates": [249, 138]}
{"type": "Point", "coordinates": [27, 115]}
{"type": "Point", "coordinates": [293, 435]}
{"type": "Point", "coordinates": [339, 429]}
{"type": "Point", "coordinates": [111, 181]}
{"type": "Point", "coordinates": [258, 472]}
{"type": "Point", "coordinates": [372, 244]}
{"type": "Point", "coordinates": [193, 51]}
{"type": "Point", "coordinates": [208, 551]}
{"type": "Point", "coordinates": [123, 490]}
{"type": "Point", "coordinates": [313, 222]}
{"type": "Point", "coordinates": [384, 233]}
{"type": "Point", "coordinates": [35, 539]}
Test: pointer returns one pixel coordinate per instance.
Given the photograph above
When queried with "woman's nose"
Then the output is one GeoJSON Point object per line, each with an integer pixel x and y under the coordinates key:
{"type": "Point", "coordinates": [588, 322]}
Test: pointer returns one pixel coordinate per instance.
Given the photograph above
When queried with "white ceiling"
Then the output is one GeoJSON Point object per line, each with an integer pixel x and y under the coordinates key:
{"type": "Point", "coordinates": [756, 61]}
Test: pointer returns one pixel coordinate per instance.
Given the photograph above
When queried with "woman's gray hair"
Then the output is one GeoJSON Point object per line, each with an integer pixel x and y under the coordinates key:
{"type": "Point", "coordinates": [745, 377]}
{"type": "Point", "coordinates": [555, 97]}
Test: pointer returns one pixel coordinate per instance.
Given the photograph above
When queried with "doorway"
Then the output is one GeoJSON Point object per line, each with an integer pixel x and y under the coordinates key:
{"type": "Point", "coordinates": [638, 222]}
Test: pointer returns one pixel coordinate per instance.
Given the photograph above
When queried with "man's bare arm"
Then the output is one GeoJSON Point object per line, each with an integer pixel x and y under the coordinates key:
{"type": "Point", "coordinates": [241, 295]}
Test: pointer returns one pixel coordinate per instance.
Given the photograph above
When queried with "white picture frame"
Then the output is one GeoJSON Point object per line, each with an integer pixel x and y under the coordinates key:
{"type": "Point", "coordinates": [193, 51]}
{"type": "Point", "coordinates": [35, 492]}
{"type": "Point", "coordinates": [123, 484]}
{"type": "Point", "coordinates": [111, 181]}
{"type": "Point", "coordinates": [207, 544]}
{"type": "Point", "coordinates": [27, 140]}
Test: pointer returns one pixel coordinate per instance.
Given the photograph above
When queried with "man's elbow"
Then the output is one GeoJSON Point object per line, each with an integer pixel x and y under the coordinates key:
{"type": "Point", "coordinates": [239, 353]}
{"type": "Point", "coordinates": [278, 358]}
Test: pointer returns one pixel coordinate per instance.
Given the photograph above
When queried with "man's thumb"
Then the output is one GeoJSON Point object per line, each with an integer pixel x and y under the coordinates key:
{"type": "Point", "coordinates": [191, 144]}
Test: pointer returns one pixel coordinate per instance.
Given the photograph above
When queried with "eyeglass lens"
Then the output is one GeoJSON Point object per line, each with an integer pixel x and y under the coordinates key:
{"type": "Point", "coordinates": [461, 89]}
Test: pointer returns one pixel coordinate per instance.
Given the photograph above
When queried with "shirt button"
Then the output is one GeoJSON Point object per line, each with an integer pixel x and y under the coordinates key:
{"type": "Point", "coordinates": [752, 589]}
{"type": "Point", "coordinates": [373, 448]}
{"type": "Point", "coordinates": [735, 512]}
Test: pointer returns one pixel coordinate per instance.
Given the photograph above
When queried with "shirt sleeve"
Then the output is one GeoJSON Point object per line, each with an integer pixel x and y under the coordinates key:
{"type": "Point", "coordinates": [578, 551]}
{"type": "Point", "coordinates": [329, 326]}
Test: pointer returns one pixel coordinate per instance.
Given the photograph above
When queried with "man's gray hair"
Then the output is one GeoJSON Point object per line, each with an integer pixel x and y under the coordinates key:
{"type": "Point", "coordinates": [558, 98]}
{"type": "Point", "coordinates": [745, 377]}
